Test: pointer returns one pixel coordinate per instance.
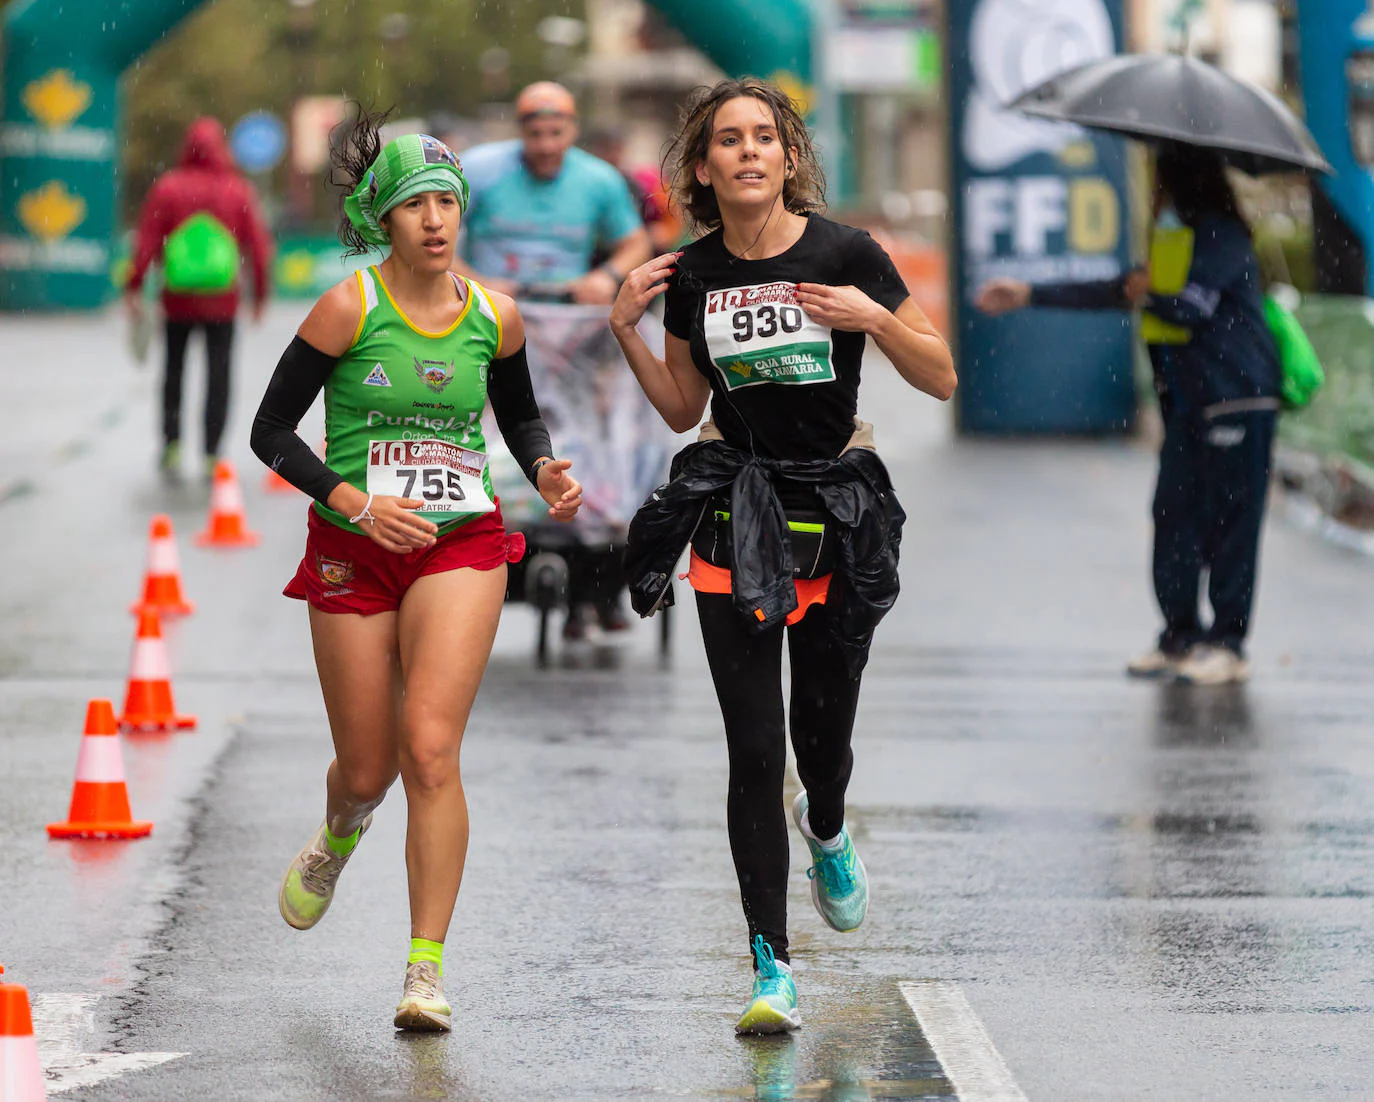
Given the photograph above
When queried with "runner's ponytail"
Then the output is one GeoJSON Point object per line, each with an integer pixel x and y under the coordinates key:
{"type": "Point", "coordinates": [349, 161]}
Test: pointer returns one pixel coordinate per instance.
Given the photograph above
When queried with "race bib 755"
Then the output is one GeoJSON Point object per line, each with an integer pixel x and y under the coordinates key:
{"type": "Point", "coordinates": [761, 335]}
{"type": "Point", "coordinates": [446, 477]}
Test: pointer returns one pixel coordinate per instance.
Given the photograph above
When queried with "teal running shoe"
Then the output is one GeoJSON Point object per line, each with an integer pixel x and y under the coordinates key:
{"type": "Point", "coordinates": [773, 1006]}
{"type": "Point", "coordinates": [839, 884]}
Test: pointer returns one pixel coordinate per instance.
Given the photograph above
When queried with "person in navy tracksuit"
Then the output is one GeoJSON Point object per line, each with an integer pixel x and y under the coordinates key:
{"type": "Point", "coordinates": [1217, 374]}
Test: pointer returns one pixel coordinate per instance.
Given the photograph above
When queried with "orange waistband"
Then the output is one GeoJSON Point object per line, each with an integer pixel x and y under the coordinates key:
{"type": "Point", "coordinates": [706, 578]}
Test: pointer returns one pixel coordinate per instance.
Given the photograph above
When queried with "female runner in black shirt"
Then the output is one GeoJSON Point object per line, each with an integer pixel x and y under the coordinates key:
{"type": "Point", "coordinates": [768, 313]}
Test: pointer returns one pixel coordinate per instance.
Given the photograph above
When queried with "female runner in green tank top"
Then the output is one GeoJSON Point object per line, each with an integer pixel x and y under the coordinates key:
{"type": "Point", "coordinates": [405, 565]}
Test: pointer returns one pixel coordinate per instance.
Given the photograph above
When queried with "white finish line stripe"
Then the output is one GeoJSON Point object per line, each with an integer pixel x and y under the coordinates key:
{"type": "Point", "coordinates": [971, 1063]}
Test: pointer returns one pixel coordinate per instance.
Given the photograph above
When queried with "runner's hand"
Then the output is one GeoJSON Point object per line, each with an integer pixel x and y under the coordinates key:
{"type": "Point", "coordinates": [844, 308]}
{"type": "Point", "coordinates": [560, 490]}
{"type": "Point", "coordinates": [1135, 288]}
{"type": "Point", "coordinates": [640, 288]}
{"type": "Point", "coordinates": [596, 288]}
{"type": "Point", "coordinates": [1002, 296]}
{"type": "Point", "coordinates": [395, 527]}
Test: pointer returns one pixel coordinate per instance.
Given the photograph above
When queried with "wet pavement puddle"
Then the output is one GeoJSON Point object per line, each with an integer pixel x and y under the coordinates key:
{"type": "Point", "coordinates": [871, 1048]}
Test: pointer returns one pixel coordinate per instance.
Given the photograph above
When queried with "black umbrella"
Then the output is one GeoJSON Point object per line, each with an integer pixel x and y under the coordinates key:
{"type": "Point", "coordinates": [1171, 98]}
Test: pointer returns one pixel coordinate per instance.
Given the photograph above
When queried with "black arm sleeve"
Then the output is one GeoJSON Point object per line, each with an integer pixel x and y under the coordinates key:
{"type": "Point", "coordinates": [1102, 294]}
{"type": "Point", "coordinates": [517, 413]}
{"type": "Point", "coordinates": [300, 376]}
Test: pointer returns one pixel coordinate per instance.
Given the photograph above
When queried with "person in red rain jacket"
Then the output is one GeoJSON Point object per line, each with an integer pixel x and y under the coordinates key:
{"type": "Point", "coordinates": [204, 183]}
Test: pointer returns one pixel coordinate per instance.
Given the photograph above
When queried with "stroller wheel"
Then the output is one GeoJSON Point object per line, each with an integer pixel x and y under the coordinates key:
{"type": "Point", "coordinates": [546, 581]}
{"type": "Point", "coordinates": [546, 588]}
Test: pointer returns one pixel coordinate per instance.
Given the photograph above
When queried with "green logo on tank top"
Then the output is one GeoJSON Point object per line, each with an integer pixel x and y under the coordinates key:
{"type": "Point", "coordinates": [435, 374]}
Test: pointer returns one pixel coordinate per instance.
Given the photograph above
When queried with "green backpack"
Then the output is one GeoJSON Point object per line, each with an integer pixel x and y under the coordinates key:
{"type": "Point", "coordinates": [1302, 371]}
{"type": "Point", "coordinates": [201, 257]}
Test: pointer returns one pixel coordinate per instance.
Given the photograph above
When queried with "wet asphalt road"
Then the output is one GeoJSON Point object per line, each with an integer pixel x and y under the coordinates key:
{"type": "Point", "coordinates": [1143, 891]}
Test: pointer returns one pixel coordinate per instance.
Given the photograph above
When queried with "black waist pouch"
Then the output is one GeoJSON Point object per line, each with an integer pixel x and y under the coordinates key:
{"type": "Point", "coordinates": [815, 541]}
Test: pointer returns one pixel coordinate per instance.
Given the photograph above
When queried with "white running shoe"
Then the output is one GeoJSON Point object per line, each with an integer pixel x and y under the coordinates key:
{"type": "Point", "coordinates": [307, 889]}
{"type": "Point", "coordinates": [1155, 663]}
{"type": "Point", "coordinates": [1207, 664]}
{"type": "Point", "coordinates": [423, 1008]}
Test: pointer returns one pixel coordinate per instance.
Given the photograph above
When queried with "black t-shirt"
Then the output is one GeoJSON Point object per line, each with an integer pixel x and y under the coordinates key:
{"type": "Point", "coordinates": [782, 386]}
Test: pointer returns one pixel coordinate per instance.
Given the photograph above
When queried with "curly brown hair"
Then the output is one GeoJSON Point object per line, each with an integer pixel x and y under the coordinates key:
{"type": "Point", "coordinates": [802, 192]}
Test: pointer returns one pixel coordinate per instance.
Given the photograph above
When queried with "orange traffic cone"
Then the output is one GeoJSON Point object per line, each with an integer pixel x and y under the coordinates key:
{"type": "Point", "coordinates": [162, 578]}
{"type": "Point", "coordinates": [148, 705]}
{"type": "Point", "coordinates": [227, 526]}
{"type": "Point", "coordinates": [21, 1076]}
{"type": "Point", "coordinates": [273, 483]}
{"type": "Point", "coordinates": [100, 798]}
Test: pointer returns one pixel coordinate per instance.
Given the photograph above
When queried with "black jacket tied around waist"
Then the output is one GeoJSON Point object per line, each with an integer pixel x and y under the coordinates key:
{"type": "Point", "coordinates": [854, 489]}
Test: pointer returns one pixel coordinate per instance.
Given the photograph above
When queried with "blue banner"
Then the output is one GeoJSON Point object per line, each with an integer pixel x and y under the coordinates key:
{"type": "Point", "coordinates": [1035, 201]}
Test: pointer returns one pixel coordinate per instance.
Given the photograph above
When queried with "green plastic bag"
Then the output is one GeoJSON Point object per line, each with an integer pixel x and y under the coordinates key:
{"type": "Point", "coordinates": [1302, 371]}
{"type": "Point", "coordinates": [201, 257]}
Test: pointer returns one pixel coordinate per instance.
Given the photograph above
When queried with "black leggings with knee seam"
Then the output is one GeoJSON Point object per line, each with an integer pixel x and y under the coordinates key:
{"type": "Point", "coordinates": [746, 667]}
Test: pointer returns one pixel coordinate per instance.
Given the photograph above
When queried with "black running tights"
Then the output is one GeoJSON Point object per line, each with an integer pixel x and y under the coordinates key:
{"type": "Point", "coordinates": [219, 345]}
{"type": "Point", "coordinates": [747, 670]}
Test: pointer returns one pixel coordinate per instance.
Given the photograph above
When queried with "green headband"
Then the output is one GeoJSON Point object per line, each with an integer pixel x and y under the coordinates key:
{"type": "Point", "coordinates": [407, 166]}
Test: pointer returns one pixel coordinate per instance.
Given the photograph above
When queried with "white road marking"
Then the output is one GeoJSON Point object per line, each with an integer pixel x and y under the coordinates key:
{"type": "Point", "coordinates": [971, 1063]}
{"type": "Point", "coordinates": [58, 1022]}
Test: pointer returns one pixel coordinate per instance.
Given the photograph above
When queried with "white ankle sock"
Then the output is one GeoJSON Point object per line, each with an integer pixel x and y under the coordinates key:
{"type": "Point", "coordinates": [824, 843]}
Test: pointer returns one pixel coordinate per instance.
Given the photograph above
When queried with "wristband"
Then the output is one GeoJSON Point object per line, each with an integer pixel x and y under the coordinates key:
{"type": "Point", "coordinates": [366, 514]}
{"type": "Point", "coordinates": [610, 271]}
{"type": "Point", "coordinates": [538, 466]}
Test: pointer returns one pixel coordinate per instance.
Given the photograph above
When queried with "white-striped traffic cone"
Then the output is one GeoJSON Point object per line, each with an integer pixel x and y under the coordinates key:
{"type": "Point", "coordinates": [148, 704]}
{"type": "Point", "coordinates": [100, 798]}
{"type": "Point", "coordinates": [21, 1075]}
{"type": "Point", "coordinates": [162, 578]}
{"type": "Point", "coordinates": [227, 526]}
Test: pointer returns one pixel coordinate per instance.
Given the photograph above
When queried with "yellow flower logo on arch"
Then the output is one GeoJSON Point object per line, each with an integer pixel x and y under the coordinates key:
{"type": "Point", "coordinates": [58, 99]}
{"type": "Point", "coordinates": [296, 269]}
{"type": "Point", "coordinates": [52, 211]}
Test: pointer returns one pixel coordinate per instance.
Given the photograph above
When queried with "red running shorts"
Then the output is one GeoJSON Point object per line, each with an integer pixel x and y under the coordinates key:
{"type": "Point", "coordinates": [343, 571]}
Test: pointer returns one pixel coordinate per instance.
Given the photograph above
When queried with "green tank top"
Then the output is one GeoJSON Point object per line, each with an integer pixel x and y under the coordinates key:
{"type": "Point", "coordinates": [403, 407]}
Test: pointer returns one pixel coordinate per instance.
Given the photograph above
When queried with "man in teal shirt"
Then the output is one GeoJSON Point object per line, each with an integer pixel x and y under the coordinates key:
{"type": "Point", "coordinates": [540, 207]}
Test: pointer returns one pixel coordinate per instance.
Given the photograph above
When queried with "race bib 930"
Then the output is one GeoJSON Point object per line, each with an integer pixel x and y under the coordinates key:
{"type": "Point", "coordinates": [760, 334]}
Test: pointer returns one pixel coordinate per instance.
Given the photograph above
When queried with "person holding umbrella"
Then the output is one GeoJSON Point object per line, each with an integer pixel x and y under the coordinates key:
{"type": "Point", "coordinates": [1216, 367]}
{"type": "Point", "coordinates": [1217, 375]}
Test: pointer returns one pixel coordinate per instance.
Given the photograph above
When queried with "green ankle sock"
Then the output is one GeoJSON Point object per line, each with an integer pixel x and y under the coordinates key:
{"type": "Point", "coordinates": [342, 847]}
{"type": "Point", "coordinates": [432, 951]}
